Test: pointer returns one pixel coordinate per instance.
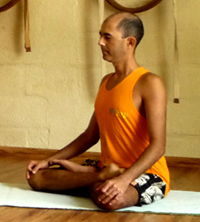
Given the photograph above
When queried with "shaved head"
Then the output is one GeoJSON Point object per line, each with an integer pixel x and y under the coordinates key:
{"type": "Point", "coordinates": [129, 24]}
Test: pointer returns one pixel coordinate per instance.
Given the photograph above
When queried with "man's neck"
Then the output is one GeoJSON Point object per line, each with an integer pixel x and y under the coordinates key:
{"type": "Point", "coordinates": [123, 69]}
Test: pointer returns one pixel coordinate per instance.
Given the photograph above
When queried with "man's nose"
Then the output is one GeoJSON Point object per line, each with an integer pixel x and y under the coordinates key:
{"type": "Point", "coordinates": [101, 41]}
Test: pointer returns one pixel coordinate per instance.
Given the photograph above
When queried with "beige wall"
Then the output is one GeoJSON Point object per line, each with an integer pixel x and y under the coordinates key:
{"type": "Point", "coordinates": [47, 96]}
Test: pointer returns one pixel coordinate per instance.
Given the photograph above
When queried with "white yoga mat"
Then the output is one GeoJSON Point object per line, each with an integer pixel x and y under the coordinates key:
{"type": "Point", "coordinates": [20, 195]}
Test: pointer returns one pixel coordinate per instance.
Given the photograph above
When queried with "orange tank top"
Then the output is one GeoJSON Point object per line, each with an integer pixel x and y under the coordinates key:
{"type": "Point", "coordinates": [123, 130]}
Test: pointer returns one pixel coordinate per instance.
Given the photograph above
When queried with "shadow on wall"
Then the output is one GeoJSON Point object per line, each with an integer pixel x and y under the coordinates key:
{"type": "Point", "coordinates": [89, 53]}
{"type": "Point", "coordinates": [18, 28]}
{"type": "Point", "coordinates": [164, 40]}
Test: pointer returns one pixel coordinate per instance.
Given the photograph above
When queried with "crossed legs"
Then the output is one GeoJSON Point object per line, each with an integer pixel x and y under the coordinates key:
{"type": "Point", "coordinates": [72, 176]}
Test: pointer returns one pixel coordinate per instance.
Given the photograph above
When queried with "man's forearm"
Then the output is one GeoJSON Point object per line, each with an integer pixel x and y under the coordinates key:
{"type": "Point", "coordinates": [148, 158]}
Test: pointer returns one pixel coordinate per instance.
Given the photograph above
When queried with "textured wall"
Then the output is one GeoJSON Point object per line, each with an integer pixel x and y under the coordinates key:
{"type": "Point", "coordinates": [47, 96]}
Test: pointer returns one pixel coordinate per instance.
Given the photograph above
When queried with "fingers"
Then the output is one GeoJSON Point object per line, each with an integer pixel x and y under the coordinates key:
{"type": "Point", "coordinates": [34, 166]}
{"type": "Point", "coordinates": [105, 198]}
{"type": "Point", "coordinates": [109, 193]}
{"type": "Point", "coordinates": [104, 187]}
{"type": "Point", "coordinates": [114, 200]}
{"type": "Point", "coordinates": [30, 168]}
{"type": "Point", "coordinates": [28, 175]}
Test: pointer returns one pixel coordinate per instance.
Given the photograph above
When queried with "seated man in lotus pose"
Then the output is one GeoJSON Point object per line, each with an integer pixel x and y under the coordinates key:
{"type": "Point", "coordinates": [130, 121]}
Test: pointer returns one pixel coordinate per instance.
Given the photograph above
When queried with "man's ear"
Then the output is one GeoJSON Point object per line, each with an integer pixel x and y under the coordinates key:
{"type": "Point", "coordinates": [131, 42]}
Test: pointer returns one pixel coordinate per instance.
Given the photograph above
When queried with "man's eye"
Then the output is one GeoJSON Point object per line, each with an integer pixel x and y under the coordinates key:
{"type": "Point", "coordinates": [107, 37]}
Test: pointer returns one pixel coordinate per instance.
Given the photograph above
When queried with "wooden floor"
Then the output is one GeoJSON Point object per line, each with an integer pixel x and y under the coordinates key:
{"type": "Point", "coordinates": [185, 175]}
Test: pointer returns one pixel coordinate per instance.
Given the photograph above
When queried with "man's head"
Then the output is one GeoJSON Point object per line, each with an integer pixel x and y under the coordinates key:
{"type": "Point", "coordinates": [131, 25]}
{"type": "Point", "coordinates": [120, 33]}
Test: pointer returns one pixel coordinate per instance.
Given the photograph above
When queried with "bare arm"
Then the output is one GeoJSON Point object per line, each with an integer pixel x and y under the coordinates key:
{"type": "Point", "coordinates": [82, 143]}
{"type": "Point", "coordinates": [155, 102]}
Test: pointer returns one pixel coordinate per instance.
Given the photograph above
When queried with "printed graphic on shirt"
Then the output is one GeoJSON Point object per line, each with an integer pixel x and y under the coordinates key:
{"type": "Point", "coordinates": [118, 113]}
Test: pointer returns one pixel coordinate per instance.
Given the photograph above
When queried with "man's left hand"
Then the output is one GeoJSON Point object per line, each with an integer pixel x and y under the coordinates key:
{"type": "Point", "coordinates": [112, 190]}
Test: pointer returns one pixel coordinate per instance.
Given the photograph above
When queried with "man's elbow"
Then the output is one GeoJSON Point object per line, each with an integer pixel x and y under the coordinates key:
{"type": "Point", "coordinates": [159, 147]}
{"type": "Point", "coordinates": [91, 137]}
{"type": "Point", "coordinates": [162, 149]}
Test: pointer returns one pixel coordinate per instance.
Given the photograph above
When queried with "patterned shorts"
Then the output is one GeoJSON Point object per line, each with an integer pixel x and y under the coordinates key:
{"type": "Point", "coordinates": [150, 187]}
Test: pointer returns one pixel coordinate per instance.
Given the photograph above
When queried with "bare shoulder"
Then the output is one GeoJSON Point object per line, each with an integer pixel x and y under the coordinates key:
{"type": "Point", "coordinates": [150, 78]}
{"type": "Point", "coordinates": [151, 84]}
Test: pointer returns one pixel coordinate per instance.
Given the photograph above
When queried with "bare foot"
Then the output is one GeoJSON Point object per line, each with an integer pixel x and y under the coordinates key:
{"type": "Point", "coordinates": [112, 170]}
{"type": "Point", "coordinates": [133, 183]}
{"type": "Point", "coordinates": [74, 167]}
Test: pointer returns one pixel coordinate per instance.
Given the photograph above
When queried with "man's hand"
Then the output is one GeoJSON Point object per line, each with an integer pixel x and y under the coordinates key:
{"type": "Point", "coordinates": [112, 190]}
{"type": "Point", "coordinates": [36, 165]}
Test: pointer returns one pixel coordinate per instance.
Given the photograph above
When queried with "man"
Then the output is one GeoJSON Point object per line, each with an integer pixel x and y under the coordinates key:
{"type": "Point", "coordinates": [130, 121]}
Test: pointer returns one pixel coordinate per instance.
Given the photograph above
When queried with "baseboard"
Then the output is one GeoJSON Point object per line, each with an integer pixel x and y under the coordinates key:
{"type": "Point", "coordinates": [19, 151]}
{"type": "Point", "coordinates": [40, 153]}
{"type": "Point", "coordinates": [183, 162]}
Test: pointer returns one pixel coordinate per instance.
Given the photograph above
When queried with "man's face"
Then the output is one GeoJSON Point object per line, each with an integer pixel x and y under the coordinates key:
{"type": "Point", "coordinates": [112, 44]}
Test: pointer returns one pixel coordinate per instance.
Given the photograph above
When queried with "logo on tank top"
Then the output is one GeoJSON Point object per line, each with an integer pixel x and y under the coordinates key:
{"type": "Point", "coordinates": [118, 113]}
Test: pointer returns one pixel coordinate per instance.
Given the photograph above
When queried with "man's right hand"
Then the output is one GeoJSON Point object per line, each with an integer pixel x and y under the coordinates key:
{"type": "Point", "coordinates": [36, 165]}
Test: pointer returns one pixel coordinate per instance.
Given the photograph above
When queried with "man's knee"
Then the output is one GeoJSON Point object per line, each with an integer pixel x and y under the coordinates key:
{"type": "Point", "coordinates": [94, 194]}
{"type": "Point", "coordinates": [116, 206]}
{"type": "Point", "coordinates": [130, 198]}
{"type": "Point", "coordinates": [35, 181]}
{"type": "Point", "coordinates": [107, 206]}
